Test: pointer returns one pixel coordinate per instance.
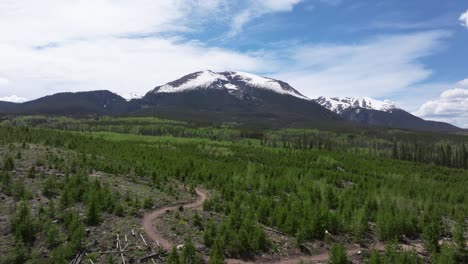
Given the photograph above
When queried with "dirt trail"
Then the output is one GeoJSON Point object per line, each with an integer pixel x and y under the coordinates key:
{"type": "Point", "coordinates": [149, 218]}
{"type": "Point", "coordinates": [317, 258]}
{"type": "Point", "coordinates": [202, 195]}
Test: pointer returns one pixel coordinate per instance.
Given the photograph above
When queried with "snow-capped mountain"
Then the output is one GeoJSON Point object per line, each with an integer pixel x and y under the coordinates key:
{"type": "Point", "coordinates": [239, 97]}
{"type": "Point", "coordinates": [235, 83]}
{"type": "Point", "coordinates": [235, 96]}
{"type": "Point", "coordinates": [368, 111]}
{"type": "Point", "coordinates": [131, 96]}
{"type": "Point", "coordinates": [340, 104]}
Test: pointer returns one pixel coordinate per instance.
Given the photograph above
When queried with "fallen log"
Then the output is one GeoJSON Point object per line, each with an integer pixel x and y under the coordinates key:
{"type": "Point", "coordinates": [150, 257]}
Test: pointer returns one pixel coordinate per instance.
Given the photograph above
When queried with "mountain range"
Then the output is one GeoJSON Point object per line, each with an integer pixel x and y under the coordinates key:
{"type": "Point", "coordinates": [365, 110]}
{"type": "Point", "coordinates": [232, 97]}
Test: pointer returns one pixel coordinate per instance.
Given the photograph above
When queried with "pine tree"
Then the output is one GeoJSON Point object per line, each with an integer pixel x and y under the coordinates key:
{"type": "Point", "coordinates": [93, 211]}
{"type": "Point", "coordinates": [338, 255]}
{"type": "Point", "coordinates": [197, 221]}
{"type": "Point", "coordinates": [431, 234]}
{"type": "Point", "coordinates": [9, 164]}
{"type": "Point", "coordinates": [173, 257]}
{"type": "Point", "coordinates": [395, 150]}
{"type": "Point", "coordinates": [50, 187]}
{"type": "Point", "coordinates": [464, 157]}
{"type": "Point", "coordinates": [52, 235]}
{"type": "Point", "coordinates": [20, 254]}
{"type": "Point", "coordinates": [374, 258]}
{"type": "Point", "coordinates": [459, 238]}
{"type": "Point", "coordinates": [23, 223]}
{"type": "Point", "coordinates": [446, 256]}
{"type": "Point", "coordinates": [189, 254]}
{"type": "Point", "coordinates": [75, 230]}
{"type": "Point", "coordinates": [209, 234]}
{"type": "Point", "coordinates": [216, 254]}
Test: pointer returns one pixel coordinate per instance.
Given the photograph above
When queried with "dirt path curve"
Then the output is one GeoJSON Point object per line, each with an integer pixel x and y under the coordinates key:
{"type": "Point", "coordinates": [151, 217]}
{"type": "Point", "coordinates": [202, 195]}
{"type": "Point", "coordinates": [317, 258]}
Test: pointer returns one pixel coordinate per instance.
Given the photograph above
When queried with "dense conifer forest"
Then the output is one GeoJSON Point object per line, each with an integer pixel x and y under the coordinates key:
{"type": "Point", "coordinates": [373, 186]}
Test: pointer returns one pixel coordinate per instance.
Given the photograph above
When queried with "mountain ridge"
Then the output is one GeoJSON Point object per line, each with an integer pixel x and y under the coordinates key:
{"type": "Point", "coordinates": [366, 110]}
{"type": "Point", "coordinates": [340, 104]}
{"type": "Point", "coordinates": [232, 81]}
{"type": "Point", "coordinates": [231, 96]}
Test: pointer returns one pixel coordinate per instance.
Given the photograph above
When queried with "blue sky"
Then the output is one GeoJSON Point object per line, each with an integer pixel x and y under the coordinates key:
{"type": "Point", "coordinates": [411, 52]}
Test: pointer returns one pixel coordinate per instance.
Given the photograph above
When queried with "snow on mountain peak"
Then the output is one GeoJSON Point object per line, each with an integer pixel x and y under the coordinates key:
{"type": "Point", "coordinates": [197, 80]}
{"type": "Point", "coordinates": [264, 83]}
{"type": "Point", "coordinates": [232, 81]}
{"type": "Point", "coordinates": [131, 96]}
{"type": "Point", "coordinates": [340, 104]}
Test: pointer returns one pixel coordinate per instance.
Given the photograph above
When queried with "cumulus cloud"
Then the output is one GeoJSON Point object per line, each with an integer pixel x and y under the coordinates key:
{"type": "Point", "coordinates": [451, 106]}
{"type": "Point", "coordinates": [120, 65]}
{"type": "Point", "coordinates": [122, 46]}
{"type": "Point", "coordinates": [13, 99]}
{"type": "Point", "coordinates": [464, 19]}
{"type": "Point", "coordinates": [28, 21]}
{"type": "Point", "coordinates": [130, 47]}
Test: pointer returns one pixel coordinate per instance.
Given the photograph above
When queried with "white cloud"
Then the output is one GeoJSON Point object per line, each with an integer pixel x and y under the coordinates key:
{"type": "Point", "coordinates": [4, 81]}
{"type": "Point", "coordinates": [376, 68]}
{"type": "Point", "coordinates": [13, 99]}
{"type": "Point", "coordinates": [280, 5]}
{"type": "Point", "coordinates": [120, 65]}
{"type": "Point", "coordinates": [40, 22]}
{"type": "Point", "coordinates": [464, 19]}
{"type": "Point", "coordinates": [56, 46]}
{"type": "Point", "coordinates": [451, 106]}
{"type": "Point", "coordinates": [256, 9]}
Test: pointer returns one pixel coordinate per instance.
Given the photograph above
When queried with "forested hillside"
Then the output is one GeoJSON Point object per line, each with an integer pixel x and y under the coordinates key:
{"type": "Point", "coordinates": [296, 183]}
{"type": "Point", "coordinates": [449, 150]}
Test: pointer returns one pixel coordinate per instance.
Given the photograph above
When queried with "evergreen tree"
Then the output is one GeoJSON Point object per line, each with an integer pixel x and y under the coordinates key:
{"type": "Point", "coordinates": [75, 230]}
{"type": "Point", "coordinates": [447, 255]}
{"type": "Point", "coordinates": [431, 234]}
{"type": "Point", "coordinates": [216, 254]}
{"type": "Point", "coordinates": [459, 239]}
{"type": "Point", "coordinates": [93, 210]}
{"type": "Point", "coordinates": [458, 233]}
{"type": "Point", "coordinates": [173, 257]}
{"type": "Point", "coordinates": [8, 164]}
{"type": "Point", "coordinates": [49, 188]}
{"type": "Point", "coordinates": [209, 234]}
{"type": "Point", "coordinates": [20, 255]}
{"type": "Point", "coordinates": [374, 258]}
{"type": "Point", "coordinates": [189, 254]}
{"type": "Point", "coordinates": [197, 221]}
{"type": "Point", "coordinates": [338, 255]}
{"type": "Point", "coordinates": [52, 235]}
{"type": "Point", "coordinates": [23, 223]}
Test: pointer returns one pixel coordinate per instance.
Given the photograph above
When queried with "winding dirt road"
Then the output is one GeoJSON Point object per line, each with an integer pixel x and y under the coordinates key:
{"type": "Point", "coordinates": [150, 218]}
{"type": "Point", "coordinates": [153, 233]}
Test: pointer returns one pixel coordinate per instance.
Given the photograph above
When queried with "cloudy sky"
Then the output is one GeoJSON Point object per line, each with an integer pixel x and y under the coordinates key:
{"type": "Point", "coordinates": [411, 52]}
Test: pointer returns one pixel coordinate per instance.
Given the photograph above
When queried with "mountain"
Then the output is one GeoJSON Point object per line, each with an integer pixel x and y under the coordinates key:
{"type": "Point", "coordinates": [234, 96]}
{"type": "Point", "coordinates": [201, 96]}
{"type": "Point", "coordinates": [7, 107]}
{"type": "Point", "coordinates": [81, 103]}
{"type": "Point", "coordinates": [340, 104]}
{"type": "Point", "coordinates": [208, 96]}
{"type": "Point", "coordinates": [365, 110]}
{"type": "Point", "coordinates": [238, 84]}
